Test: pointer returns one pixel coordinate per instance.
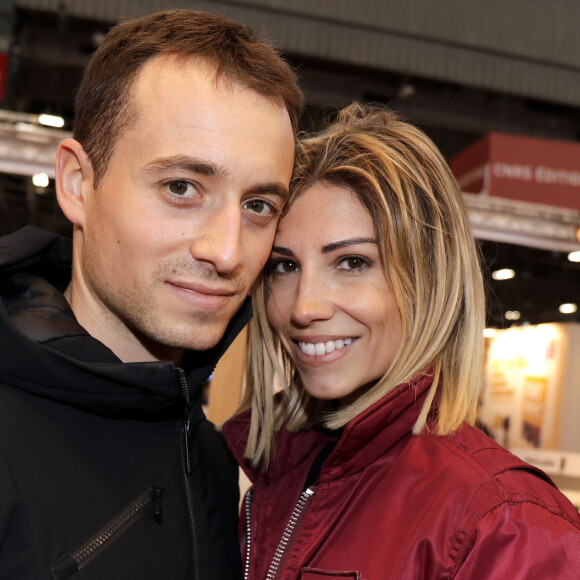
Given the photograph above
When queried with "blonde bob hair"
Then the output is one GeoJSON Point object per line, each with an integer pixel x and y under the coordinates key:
{"type": "Point", "coordinates": [429, 257]}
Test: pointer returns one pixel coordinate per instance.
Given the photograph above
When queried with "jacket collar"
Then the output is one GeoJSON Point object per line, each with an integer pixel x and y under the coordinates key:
{"type": "Point", "coordinates": [370, 434]}
{"type": "Point", "coordinates": [46, 352]}
{"type": "Point", "coordinates": [379, 428]}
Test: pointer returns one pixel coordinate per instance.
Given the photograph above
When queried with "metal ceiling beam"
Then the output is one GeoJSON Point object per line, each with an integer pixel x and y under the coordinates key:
{"type": "Point", "coordinates": [493, 45]}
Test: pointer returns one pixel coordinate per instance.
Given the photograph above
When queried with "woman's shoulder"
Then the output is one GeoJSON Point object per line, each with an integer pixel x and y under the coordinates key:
{"type": "Point", "coordinates": [479, 454]}
{"type": "Point", "coordinates": [469, 459]}
{"type": "Point", "coordinates": [496, 496]}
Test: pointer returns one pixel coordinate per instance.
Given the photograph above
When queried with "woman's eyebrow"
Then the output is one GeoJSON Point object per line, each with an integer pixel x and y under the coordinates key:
{"type": "Point", "coordinates": [345, 243]}
{"type": "Point", "coordinates": [283, 251]}
{"type": "Point", "coordinates": [328, 247]}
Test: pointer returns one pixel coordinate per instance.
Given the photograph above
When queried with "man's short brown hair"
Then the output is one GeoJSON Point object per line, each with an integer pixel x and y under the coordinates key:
{"type": "Point", "coordinates": [103, 103]}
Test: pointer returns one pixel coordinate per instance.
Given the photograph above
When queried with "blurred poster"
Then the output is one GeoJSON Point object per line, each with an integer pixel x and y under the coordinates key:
{"type": "Point", "coordinates": [522, 387]}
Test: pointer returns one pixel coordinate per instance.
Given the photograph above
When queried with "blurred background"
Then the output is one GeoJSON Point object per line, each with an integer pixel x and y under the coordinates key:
{"type": "Point", "coordinates": [495, 84]}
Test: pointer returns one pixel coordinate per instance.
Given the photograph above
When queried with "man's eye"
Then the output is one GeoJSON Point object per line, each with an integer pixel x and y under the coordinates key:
{"type": "Point", "coordinates": [179, 187]}
{"type": "Point", "coordinates": [260, 207]}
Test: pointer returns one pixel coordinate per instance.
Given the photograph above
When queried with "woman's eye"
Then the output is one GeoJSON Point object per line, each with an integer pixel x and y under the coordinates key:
{"type": "Point", "coordinates": [353, 263]}
{"type": "Point", "coordinates": [283, 267]}
{"type": "Point", "coordinates": [179, 187]}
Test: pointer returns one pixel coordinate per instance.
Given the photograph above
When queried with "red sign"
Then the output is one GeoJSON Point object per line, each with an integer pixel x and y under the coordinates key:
{"type": "Point", "coordinates": [524, 168]}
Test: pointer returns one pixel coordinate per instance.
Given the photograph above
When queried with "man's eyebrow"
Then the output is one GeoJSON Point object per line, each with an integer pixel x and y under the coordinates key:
{"type": "Point", "coordinates": [345, 243]}
{"type": "Point", "coordinates": [184, 162]}
{"type": "Point", "coordinates": [279, 189]}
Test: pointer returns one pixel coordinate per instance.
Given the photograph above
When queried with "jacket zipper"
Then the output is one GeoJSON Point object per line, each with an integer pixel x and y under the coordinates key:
{"type": "Point", "coordinates": [188, 468]}
{"type": "Point", "coordinates": [82, 555]}
{"type": "Point", "coordinates": [287, 536]}
{"type": "Point", "coordinates": [248, 510]}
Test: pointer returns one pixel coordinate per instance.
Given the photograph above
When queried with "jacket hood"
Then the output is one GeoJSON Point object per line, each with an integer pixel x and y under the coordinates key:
{"type": "Point", "coordinates": [370, 434]}
{"type": "Point", "coordinates": [46, 352]}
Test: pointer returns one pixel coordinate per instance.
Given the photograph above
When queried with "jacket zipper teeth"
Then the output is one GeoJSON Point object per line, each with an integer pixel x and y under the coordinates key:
{"type": "Point", "coordinates": [186, 421]}
{"type": "Point", "coordinates": [183, 384]}
{"type": "Point", "coordinates": [248, 508]}
{"type": "Point", "coordinates": [188, 493]}
{"type": "Point", "coordinates": [288, 532]}
{"type": "Point", "coordinates": [115, 527]}
{"type": "Point", "coordinates": [187, 470]}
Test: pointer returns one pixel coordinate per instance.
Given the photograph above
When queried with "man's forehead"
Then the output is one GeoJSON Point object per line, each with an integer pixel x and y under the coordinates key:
{"type": "Point", "coordinates": [190, 67]}
{"type": "Point", "coordinates": [201, 72]}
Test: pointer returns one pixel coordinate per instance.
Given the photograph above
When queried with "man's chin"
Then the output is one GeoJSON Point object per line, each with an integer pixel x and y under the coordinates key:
{"type": "Point", "coordinates": [170, 343]}
{"type": "Point", "coordinates": [200, 339]}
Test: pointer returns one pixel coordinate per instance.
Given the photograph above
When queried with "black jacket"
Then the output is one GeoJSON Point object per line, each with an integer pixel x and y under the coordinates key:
{"type": "Point", "coordinates": [98, 476]}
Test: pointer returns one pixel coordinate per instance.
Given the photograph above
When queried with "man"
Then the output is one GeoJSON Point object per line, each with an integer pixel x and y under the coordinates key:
{"type": "Point", "coordinates": [183, 152]}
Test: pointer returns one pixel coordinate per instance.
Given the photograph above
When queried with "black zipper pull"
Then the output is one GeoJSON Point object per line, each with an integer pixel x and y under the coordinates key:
{"type": "Point", "coordinates": [156, 493]}
{"type": "Point", "coordinates": [188, 466]}
{"type": "Point", "coordinates": [183, 384]}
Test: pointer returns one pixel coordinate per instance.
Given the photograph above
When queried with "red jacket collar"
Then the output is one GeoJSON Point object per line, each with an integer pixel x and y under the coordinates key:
{"type": "Point", "coordinates": [362, 441]}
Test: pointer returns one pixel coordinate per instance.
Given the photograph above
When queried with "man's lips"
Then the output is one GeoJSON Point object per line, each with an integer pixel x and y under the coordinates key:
{"type": "Point", "coordinates": [202, 288]}
{"type": "Point", "coordinates": [202, 295]}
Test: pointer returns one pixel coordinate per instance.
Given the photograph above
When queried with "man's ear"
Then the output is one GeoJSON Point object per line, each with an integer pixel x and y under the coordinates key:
{"type": "Point", "coordinates": [73, 179]}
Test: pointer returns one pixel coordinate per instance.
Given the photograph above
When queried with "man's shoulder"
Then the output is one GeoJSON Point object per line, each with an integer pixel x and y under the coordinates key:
{"type": "Point", "coordinates": [29, 241]}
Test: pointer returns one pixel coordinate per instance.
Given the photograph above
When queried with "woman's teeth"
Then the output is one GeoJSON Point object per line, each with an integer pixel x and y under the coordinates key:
{"type": "Point", "coordinates": [320, 348]}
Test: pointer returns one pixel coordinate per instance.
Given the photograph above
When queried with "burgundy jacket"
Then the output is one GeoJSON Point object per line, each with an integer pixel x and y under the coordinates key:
{"type": "Point", "coordinates": [389, 504]}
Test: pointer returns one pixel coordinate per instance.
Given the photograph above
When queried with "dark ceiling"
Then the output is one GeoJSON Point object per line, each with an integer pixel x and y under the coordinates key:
{"type": "Point", "coordinates": [49, 52]}
{"type": "Point", "coordinates": [543, 281]}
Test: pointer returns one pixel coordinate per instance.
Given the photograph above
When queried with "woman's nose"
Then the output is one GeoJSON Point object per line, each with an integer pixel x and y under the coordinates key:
{"type": "Point", "coordinates": [313, 300]}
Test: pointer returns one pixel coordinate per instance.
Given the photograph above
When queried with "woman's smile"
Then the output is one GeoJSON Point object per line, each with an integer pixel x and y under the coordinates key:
{"type": "Point", "coordinates": [326, 347]}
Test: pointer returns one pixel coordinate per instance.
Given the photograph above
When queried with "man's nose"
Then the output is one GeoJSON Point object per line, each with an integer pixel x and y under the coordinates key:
{"type": "Point", "coordinates": [219, 240]}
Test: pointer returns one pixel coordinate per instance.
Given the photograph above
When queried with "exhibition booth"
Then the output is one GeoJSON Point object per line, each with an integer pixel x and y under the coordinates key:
{"type": "Point", "coordinates": [531, 397]}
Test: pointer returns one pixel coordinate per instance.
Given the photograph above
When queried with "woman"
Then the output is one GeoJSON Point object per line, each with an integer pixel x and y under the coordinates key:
{"type": "Point", "coordinates": [370, 317]}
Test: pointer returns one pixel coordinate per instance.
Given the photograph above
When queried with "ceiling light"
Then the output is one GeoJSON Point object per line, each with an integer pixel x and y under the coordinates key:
{"type": "Point", "coordinates": [40, 179]}
{"type": "Point", "coordinates": [503, 274]}
{"type": "Point", "coordinates": [51, 120]}
{"type": "Point", "coordinates": [512, 315]}
{"type": "Point", "coordinates": [27, 127]}
{"type": "Point", "coordinates": [406, 91]}
{"type": "Point", "coordinates": [574, 256]}
{"type": "Point", "coordinates": [569, 308]}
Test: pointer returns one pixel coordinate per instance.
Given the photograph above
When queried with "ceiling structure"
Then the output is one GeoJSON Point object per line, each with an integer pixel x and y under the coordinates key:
{"type": "Point", "coordinates": [458, 69]}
